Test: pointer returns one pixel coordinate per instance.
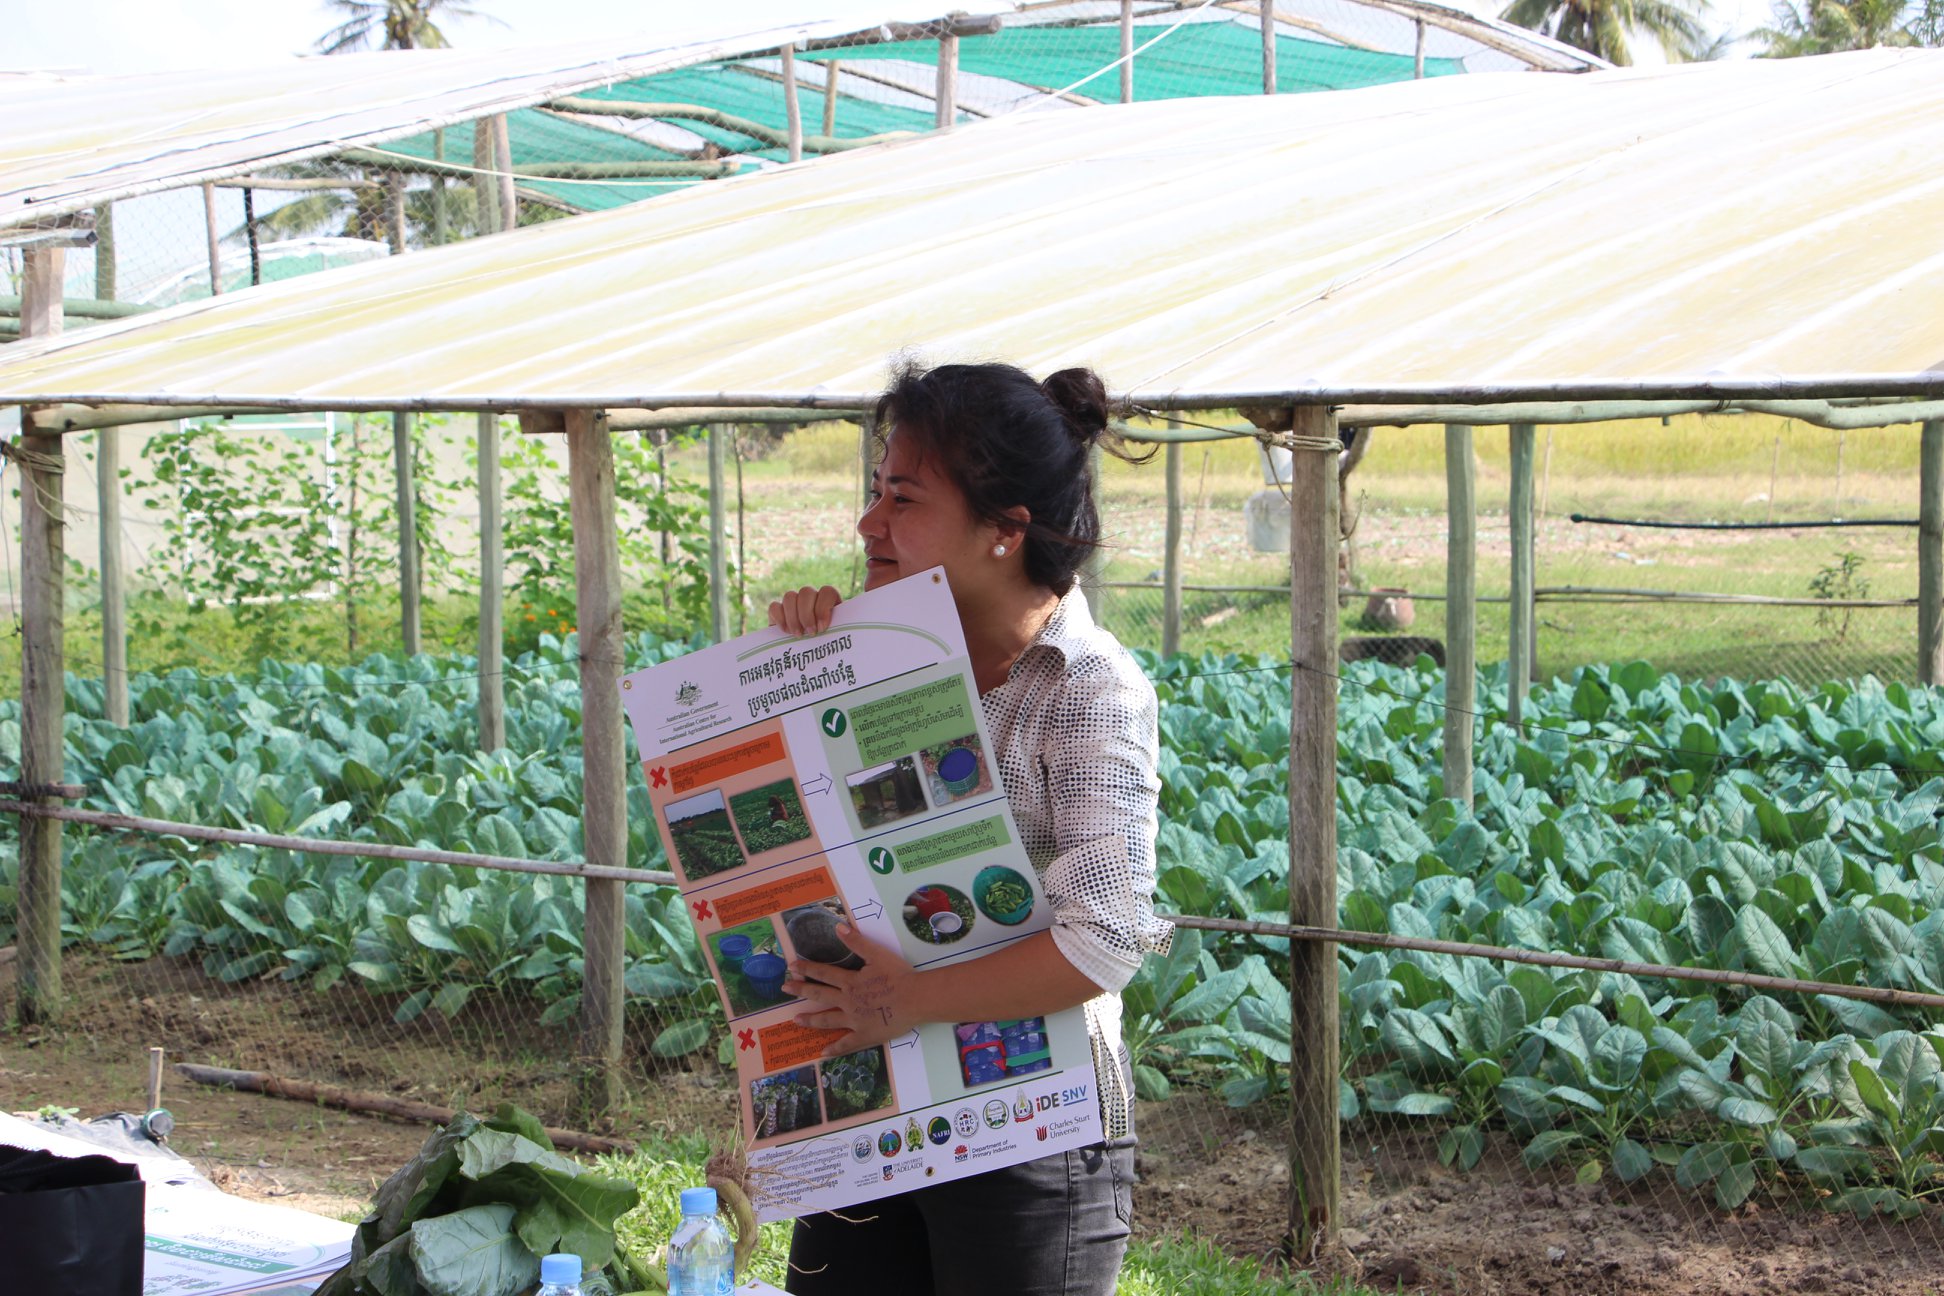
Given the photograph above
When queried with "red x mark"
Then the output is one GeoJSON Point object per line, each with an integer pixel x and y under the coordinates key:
{"type": "Point", "coordinates": [701, 908]}
{"type": "Point", "coordinates": [746, 1039]}
{"type": "Point", "coordinates": [660, 775]}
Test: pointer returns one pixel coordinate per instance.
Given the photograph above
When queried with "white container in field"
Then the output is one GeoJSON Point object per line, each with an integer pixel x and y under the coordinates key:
{"type": "Point", "coordinates": [1276, 464]}
{"type": "Point", "coordinates": [1266, 513]}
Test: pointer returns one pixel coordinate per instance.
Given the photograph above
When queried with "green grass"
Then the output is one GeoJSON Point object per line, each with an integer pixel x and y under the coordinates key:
{"type": "Point", "coordinates": [1157, 1265]}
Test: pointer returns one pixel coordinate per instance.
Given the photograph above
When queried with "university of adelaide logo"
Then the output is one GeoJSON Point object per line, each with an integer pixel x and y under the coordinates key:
{"type": "Point", "coordinates": [687, 694]}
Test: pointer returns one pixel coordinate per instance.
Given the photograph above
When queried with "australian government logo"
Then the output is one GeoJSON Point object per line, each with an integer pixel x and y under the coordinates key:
{"type": "Point", "coordinates": [688, 695]}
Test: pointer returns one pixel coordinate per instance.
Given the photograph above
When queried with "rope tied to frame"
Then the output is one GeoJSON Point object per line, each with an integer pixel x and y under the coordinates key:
{"type": "Point", "coordinates": [34, 460]}
{"type": "Point", "coordinates": [1293, 441]}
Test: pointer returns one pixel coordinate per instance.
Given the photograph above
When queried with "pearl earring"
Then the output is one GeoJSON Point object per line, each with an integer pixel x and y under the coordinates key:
{"type": "Point", "coordinates": [998, 551]}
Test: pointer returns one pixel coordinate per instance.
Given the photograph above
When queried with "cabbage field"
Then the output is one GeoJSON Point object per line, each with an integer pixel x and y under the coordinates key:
{"type": "Point", "coordinates": [1741, 825]}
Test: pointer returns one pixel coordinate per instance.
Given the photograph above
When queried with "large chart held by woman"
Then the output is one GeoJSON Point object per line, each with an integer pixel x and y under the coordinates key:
{"type": "Point", "coordinates": [798, 783]}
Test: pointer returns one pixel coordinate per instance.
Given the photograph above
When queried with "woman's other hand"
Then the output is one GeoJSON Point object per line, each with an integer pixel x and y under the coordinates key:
{"type": "Point", "coordinates": [805, 611]}
{"type": "Point", "coordinates": [871, 1005]}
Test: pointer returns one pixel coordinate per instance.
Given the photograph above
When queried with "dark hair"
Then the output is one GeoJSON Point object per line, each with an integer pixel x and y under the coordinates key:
{"type": "Point", "coordinates": [1009, 442]}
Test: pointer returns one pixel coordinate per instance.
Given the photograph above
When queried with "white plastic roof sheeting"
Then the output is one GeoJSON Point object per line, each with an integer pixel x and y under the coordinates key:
{"type": "Point", "coordinates": [1734, 222]}
{"type": "Point", "coordinates": [71, 142]}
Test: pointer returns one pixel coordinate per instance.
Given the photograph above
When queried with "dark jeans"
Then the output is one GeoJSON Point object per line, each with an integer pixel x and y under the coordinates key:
{"type": "Point", "coordinates": [1053, 1227]}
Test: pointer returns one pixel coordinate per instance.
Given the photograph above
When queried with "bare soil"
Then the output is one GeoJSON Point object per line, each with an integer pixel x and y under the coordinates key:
{"type": "Point", "coordinates": [1409, 1224]}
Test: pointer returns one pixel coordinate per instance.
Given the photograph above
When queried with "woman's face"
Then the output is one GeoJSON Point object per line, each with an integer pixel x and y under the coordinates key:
{"type": "Point", "coordinates": [918, 519]}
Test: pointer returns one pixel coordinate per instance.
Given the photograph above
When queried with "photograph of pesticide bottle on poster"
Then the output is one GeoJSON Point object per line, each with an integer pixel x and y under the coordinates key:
{"type": "Point", "coordinates": [799, 783]}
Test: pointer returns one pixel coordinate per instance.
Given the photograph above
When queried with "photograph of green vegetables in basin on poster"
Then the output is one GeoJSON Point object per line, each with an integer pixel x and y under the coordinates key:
{"type": "Point", "coordinates": [750, 959]}
{"type": "Point", "coordinates": [785, 1102]}
{"type": "Point", "coordinates": [856, 1083]}
{"type": "Point", "coordinates": [885, 793]}
{"type": "Point", "coordinates": [769, 816]}
{"type": "Point", "coordinates": [956, 770]}
{"type": "Point", "coordinates": [705, 842]}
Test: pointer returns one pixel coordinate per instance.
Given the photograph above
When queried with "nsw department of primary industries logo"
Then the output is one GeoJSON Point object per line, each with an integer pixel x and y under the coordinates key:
{"type": "Point", "coordinates": [688, 694]}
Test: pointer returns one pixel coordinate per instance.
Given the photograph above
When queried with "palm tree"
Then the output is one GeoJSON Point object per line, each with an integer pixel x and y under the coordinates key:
{"type": "Point", "coordinates": [1829, 26]}
{"type": "Point", "coordinates": [1604, 27]}
{"type": "Point", "coordinates": [406, 24]}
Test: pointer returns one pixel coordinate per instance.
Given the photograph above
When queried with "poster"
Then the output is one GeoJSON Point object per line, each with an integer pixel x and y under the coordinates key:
{"type": "Point", "coordinates": [798, 781]}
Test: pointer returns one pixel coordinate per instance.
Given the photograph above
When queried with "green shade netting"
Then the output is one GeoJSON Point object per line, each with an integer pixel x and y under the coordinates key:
{"type": "Point", "coordinates": [741, 92]}
{"type": "Point", "coordinates": [1199, 59]}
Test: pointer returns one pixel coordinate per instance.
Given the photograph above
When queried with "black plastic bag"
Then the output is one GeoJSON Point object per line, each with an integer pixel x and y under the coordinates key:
{"type": "Point", "coordinates": [71, 1225]}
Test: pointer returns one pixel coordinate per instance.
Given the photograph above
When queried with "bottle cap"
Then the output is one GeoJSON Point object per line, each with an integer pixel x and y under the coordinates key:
{"type": "Point", "coordinates": [561, 1267]}
{"type": "Point", "coordinates": [698, 1201]}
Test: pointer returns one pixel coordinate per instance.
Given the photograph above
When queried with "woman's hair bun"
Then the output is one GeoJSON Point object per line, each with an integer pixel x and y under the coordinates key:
{"type": "Point", "coordinates": [1082, 398]}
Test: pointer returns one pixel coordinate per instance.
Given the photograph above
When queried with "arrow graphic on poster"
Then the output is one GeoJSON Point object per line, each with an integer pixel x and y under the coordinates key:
{"type": "Point", "coordinates": [869, 909]}
{"type": "Point", "coordinates": [817, 786]}
{"type": "Point", "coordinates": [907, 1041]}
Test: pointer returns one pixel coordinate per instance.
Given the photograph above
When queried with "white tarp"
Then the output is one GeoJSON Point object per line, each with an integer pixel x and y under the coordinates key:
{"type": "Point", "coordinates": [1735, 220]}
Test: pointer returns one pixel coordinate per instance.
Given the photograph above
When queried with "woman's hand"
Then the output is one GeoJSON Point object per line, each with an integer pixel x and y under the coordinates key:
{"type": "Point", "coordinates": [870, 1005]}
{"type": "Point", "coordinates": [805, 611]}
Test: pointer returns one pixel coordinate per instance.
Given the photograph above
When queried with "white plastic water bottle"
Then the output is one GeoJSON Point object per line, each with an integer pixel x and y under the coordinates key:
{"type": "Point", "coordinates": [560, 1275]}
{"type": "Point", "coordinates": [701, 1257]}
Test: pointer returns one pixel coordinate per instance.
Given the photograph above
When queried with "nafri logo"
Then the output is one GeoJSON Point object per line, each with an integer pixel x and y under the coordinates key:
{"type": "Point", "coordinates": [688, 695]}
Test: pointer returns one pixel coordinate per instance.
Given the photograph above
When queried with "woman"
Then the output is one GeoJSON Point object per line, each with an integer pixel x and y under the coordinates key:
{"type": "Point", "coordinates": [989, 474]}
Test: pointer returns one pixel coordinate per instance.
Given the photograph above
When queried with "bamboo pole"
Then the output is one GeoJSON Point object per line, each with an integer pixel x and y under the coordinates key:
{"type": "Point", "coordinates": [1417, 57]}
{"type": "Point", "coordinates": [1461, 646]}
{"type": "Point", "coordinates": [604, 827]}
{"type": "Point", "coordinates": [1314, 1151]}
{"type": "Point", "coordinates": [945, 90]}
{"type": "Point", "coordinates": [831, 69]}
{"type": "Point", "coordinates": [354, 1100]}
{"type": "Point", "coordinates": [1930, 556]}
{"type": "Point", "coordinates": [43, 560]}
{"type": "Point", "coordinates": [1519, 655]}
{"type": "Point", "coordinates": [509, 202]}
{"type": "Point", "coordinates": [718, 533]}
{"type": "Point", "coordinates": [792, 106]}
{"type": "Point", "coordinates": [152, 1093]}
{"type": "Point", "coordinates": [215, 241]}
{"type": "Point", "coordinates": [1267, 11]}
{"type": "Point", "coordinates": [409, 582]}
{"type": "Point", "coordinates": [315, 845]}
{"type": "Point", "coordinates": [485, 185]}
{"type": "Point", "coordinates": [1171, 556]}
{"type": "Point", "coordinates": [1127, 51]}
{"type": "Point", "coordinates": [114, 597]}
{"type": "Point", "coordinates": [492, 586]}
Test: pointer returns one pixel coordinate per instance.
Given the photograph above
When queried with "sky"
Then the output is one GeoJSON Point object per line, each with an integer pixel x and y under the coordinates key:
{"type": "Point", "coordinates": [118, 36]}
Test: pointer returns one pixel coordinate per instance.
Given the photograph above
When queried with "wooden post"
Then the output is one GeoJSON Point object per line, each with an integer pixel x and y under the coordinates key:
{"type": "Point", "coordinates": [43, 560]}
{"type": "Point", "coordinates": [108, 494]}
{"type": "Point", "coordinates": [1171, 555]}
{"type": "Point", "coordinates": [394, 210]}
{"type": "Point", "coordinates": [114, 599]}
{"type": "Point", "coordinates": [1775, 467]}
{"type": "Point", "coordinates": [1268, 13]}
{"type": "Point", "coordinates": [1127, 51]}
{"type": "Point", "coordinates": [718, 533]}
{"type": "Point", "coordinates": [105, 252]}
{"type": "Point", "coordinates": [250, 236]}
{"type": "Point", "coordinates": [485, 186]}
{"type": "Point", "coordinates": [1461, 645]}
{"type": "Point", "coordinates": [492, 582]}
{"type": "Point", "coordinates": [1930, 556]}
{"type": "Point", "coordinates": [1417, 59]}
{"type": "Point", "coordinates": [946, 90]}
{"type": "Point", "coordinates": [1091, 569]}
{"type": "Point", "coordinates": [215, 241]}
{"type": "Point", "coordinates": [1519, 654]}
{"type": "Point", "coordinates": [604, 828]}
{"type": "Point", "coordinates": [438, 191]}
{"type": "Point", "coordinates": [509, 202]}
{"type": "Point", "coordinates": [1838, 510]}
{"type": "Point", "coordinates": [831, 68]}
{"type": "Point", "coordinates": [152, 1094]}
{"type": "Point", "coordinates": [792, 106]}
{"type": "Point", "coordinates": [1314, 1151]}
{"type": "Point", "coordinates": [408, 543]}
